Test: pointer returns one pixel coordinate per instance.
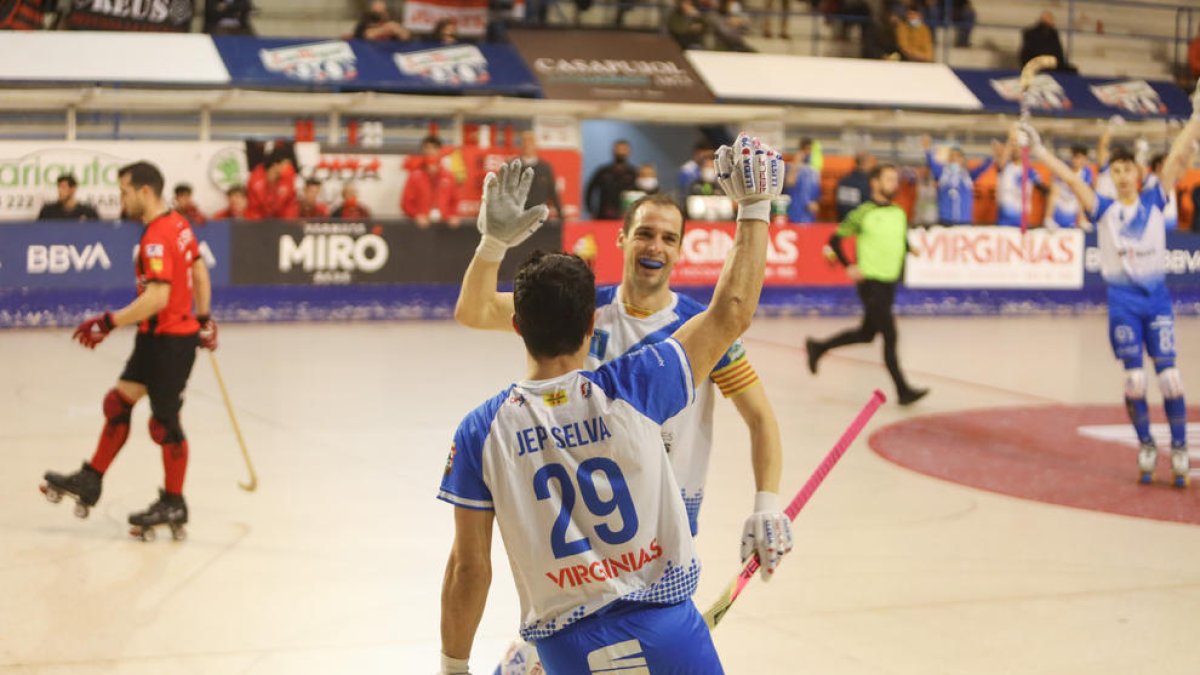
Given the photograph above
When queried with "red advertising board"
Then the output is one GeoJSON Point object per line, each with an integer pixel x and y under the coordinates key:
{"type": "Point", "coordinates": [793, 256]}
{"type": "Point", "coordinates": [567, 165]}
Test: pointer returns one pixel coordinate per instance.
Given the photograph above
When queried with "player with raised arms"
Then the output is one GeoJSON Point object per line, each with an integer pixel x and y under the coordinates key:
{"type": "Point", "coordinates": [571, 462]}
{"type": "Point", "coordinates": [1132, 239]}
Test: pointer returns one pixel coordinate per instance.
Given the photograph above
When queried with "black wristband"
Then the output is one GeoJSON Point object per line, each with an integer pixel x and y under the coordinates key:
{"type": "Point", "coordinates": [108, 321]}
{"type": "Point", "coordinates": [203, 318]}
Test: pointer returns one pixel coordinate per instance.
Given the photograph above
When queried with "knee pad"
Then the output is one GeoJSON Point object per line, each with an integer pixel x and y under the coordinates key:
{"type": "Point", "coordinates": [1170, 383]}
{"type": "Point", "coordinates": [116, 408]}
{"type": "Point", "coordinates": [166, 432]}
{"type": "Point", "coordinates": [1135, 383]}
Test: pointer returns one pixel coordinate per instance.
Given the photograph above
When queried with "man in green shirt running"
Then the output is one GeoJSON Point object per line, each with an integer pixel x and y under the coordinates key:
{"type": "Point", "coordinates": [880, 229]}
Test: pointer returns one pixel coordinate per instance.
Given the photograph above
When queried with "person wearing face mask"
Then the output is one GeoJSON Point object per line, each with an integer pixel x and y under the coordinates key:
{"type": "Point", "coordinates": [913, 37]}
{"type": "Point", "coordinates": [645, 184]}
{"type": "Point", "coordinates": [430, 193]}
{"type": "Point", "coordinates": [706, 183]}
{"type": "Point", "coordinates": [544, 189]}
{"type": "Point", "coordinates": [955, 184]}
{"type": "Point", "coordinates": [603, 194]}
{"type": "Point", "coordinates": [880, 231]}
{"type": "Point", "coordinates": [350, 207]}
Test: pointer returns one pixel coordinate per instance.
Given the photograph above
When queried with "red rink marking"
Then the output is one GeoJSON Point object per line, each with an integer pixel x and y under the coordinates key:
{"type": "Point", "coordinates": [1038, 453]}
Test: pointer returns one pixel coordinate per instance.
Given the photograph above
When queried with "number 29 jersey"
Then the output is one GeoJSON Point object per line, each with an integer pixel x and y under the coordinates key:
{"type": "Point", "coordinates": [576, 472]}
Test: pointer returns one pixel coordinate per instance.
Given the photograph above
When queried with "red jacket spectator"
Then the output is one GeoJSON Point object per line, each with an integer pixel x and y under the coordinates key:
{"type": "Point", "coordinates": [310, 206]}
{"type": "Point", "coordinates": [430, 194]}
{"type": "Point", "coordinates": [1194, 56]}
{"type": "Point", "coordinates": [236, 206]}
{"type": "Point", "coordinates": [271, 191]}
{"type": "Point", "coordinates": [351, 208]}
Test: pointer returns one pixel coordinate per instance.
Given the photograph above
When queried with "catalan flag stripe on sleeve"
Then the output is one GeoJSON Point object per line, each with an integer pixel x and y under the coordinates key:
{"type": "Point", "coordinates": [735, 378]}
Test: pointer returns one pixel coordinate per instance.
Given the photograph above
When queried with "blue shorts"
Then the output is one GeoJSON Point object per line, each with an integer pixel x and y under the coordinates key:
{"type": "Point", "coordinates": [1139, 317]}
{"type": "Point", "coordinates": [630, 637]}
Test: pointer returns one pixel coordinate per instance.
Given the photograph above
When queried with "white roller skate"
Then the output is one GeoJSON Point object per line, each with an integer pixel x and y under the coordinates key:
{"type": "Point", "coordinates": [1147, 458]}
{"type": "Point", "coordinates": [1180, 465]}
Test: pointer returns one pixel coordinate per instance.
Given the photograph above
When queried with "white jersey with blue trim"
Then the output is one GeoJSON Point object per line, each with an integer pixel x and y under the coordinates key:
{"type": "Point", "coordinates": [688, 436]}
{"type": "Point", "coordinates": [1066, 204]}
{"type": "Point", "coordinates": [575, 470]}
{"type": "Point", "coordinates": [1008, 191]}
{"type": "Point", "coordinates": [1132, 237]}
{"type": "Point", "coordinates": [1171, 211]}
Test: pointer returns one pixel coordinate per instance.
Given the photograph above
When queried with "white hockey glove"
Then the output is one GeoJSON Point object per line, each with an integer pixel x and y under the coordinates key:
{"type": "Point", "coordinates": [452, 666]}
{"type": "Point", "coordinates": [504, 221]}
{"type": "Point", "coordinates": [1028, 137]}
{"type": "Point", "coordinates": [751, 174]}
{"type": "Point", "coordinates": [768, 532]}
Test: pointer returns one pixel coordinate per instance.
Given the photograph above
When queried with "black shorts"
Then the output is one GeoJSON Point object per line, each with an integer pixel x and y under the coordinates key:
{"type": "Point", "coordinates": [162, 363]}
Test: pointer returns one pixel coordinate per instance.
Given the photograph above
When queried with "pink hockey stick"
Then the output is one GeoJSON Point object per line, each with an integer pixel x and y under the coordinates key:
{"type": "Point", "coordinates": [715, 613]}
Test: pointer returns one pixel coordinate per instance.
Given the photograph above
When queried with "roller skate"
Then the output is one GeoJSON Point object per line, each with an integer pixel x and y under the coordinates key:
{"type": "Point", "coordinates": [83, 485]}
{"type": "Point", "coordinates": [1180, 465]}
{"type": "Point", "coordinates": [1147, 458]}
{"type": "Point", "coordinates": [169, 510]}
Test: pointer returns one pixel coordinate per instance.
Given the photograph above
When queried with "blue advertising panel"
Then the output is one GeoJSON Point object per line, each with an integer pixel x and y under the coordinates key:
{"type": "Point", "coordinates": [1183, 261]}
{"type": "Point", "coordinates": [1068, 95]}
{"type": "Point", "coordinates": [361, 65]}
{"type": "Point", "coordinates": [89, 255]}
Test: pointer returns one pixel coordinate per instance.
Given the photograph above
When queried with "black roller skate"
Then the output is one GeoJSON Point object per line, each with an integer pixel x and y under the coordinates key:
{"type": "Point", "coordinates": [1180, 465]}
{"type": "Point", "coordinates": [1147, 458]}
{"type": "Point", "coordinates": [83, 485]}
{"type": "Point", "coordinates": [169, 510]}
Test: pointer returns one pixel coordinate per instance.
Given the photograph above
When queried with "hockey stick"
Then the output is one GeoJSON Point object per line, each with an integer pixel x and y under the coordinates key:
{"type": "Point", "coordinates": [715, 613]}
{"type": "Point", "coordinates": [237, 430]}
{"type": "Point", "coordinates": [1030, 71]}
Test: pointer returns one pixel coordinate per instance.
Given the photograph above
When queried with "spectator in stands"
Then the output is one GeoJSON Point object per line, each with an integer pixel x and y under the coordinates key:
{"type": "Point", "coordinates": [925, 207]}
{"type": "Point", "coordinates": [803, 185]}
{"type": "Point", "coordinates": [445, 31]}
{"type": "Point", "coordinates": [310, 205]}
{"type": "Point", "coordinates": [913, 37]}
{"type": "Point", "coordinates": [955, 184]}
{"type": "Point", "coordinates": [235, 208]}
{"type": "Point", "coordinates": [855, 186]}
{"type": "Point", "coordinates": [185, 206]}
{"type": "Point", "coordinates": [603, 194]}
{"type": "Point", "coordinates": [544, 189]}
{"type": "Point", "coordinates": [1153, 179]}
{"type": "Point", "coordinates": [647, 179]}
{"type": "Point", "coordinates": [271, 188]}
{"type": "Point", "coordinates": [1194, 58]}
{"type": "Point", "coordinates": [687, 25]}
{"type": "Point", "coordinates": [963, 15]}
{"type": "Point", "coordinates": [430, 193]}
{"type": "Point", "coordinates": [706, 184]}
{"type": "Point", "coordinates": [879, 38]}
{"type": "Point", "coordinates": [377, 24]}
{"type": "Point", "coordinates": [351, 208]}
{"type": "Point", "coordinates": [68, 207]}
{"type": "Point", "coordinates": [228, 17]}
{"type": "Point", "coordinates": [730, 26]}
{"type": "Point", "coordinates": [1042, 38]}
{"type": "Point", "coordinates": [690, 170]}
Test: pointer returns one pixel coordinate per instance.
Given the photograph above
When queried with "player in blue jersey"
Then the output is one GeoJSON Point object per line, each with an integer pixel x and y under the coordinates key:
{"type": "Point", "coordinates": [955, 184]}
{"type": "Point", "coordinates": [1132, 238]}
{"type": "Point", "coordinates": [1015, 184]}
{"type": "Point", "coordinates": [571, 464]}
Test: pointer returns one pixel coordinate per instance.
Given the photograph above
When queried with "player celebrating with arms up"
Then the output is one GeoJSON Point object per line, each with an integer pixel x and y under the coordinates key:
{"type": "Point", "coordinates": [1132, 240]}
{"type": "Point", "coordinates": [571, 463]}
{"type": "Point", "coordinates": [172, 280]}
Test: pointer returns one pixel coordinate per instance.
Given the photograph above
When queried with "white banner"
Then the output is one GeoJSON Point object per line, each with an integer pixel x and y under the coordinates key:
{"type": "Point", "coordinates": [378, 178]}
{"type": "Point", "coordinates": [29, 172]}
{"type": "Point", "coordinates": [994, 257]}
{"type": "Point", "coordinates": [110, 57]}
{"type": "Point", "coordinates": [810, 79]}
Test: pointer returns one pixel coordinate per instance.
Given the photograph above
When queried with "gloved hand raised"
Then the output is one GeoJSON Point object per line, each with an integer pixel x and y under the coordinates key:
{"type": "Point", "coordinates": [504, 222]}
{"type": "Point", "coordinates": [751, 173]}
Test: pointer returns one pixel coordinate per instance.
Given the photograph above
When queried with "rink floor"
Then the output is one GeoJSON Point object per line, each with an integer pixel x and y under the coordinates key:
{"type": "Point", "coordinates": [335, 564]}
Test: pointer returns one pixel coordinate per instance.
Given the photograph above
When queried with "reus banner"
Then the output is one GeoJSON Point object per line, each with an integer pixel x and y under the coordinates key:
{"type": "Point", "coordinates": [610, 66]}
{"type": "Point", "coordinates": [164, 16]}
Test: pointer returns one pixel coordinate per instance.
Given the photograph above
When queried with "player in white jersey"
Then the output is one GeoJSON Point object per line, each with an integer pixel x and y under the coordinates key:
{"type": "Point", "coordinates": [1131, 234]}
{"type": "Point", "coordinates": [571, 462]}
{"type": "Point", "coordinates": [1013, 180]}
{"type": "Point", "coordinates": [1062, 204]}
